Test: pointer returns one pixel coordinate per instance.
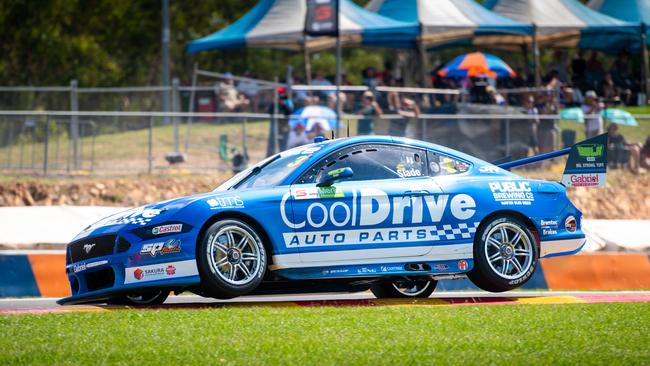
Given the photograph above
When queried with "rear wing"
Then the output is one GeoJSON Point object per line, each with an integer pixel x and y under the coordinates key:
{"type": "Point", "coordinates": [585, 167]}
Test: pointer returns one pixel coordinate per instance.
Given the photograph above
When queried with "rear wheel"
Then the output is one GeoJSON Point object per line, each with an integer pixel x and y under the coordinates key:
{"type": "Point", "coordinates": [404, 288]}
{"type": "Point", "coordinates": [150, 297]}
{"type": "Point", "coordinates": [505, 255]}
{"type": "Point", "coordinates": [231, 259]}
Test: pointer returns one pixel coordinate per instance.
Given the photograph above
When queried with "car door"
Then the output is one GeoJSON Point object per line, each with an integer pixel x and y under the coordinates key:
{"type": "Point", "coordinates": [377, 213]}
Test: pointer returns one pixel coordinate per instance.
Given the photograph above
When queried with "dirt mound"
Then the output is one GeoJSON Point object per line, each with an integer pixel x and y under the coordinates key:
{"type": "Point", "coordinates": [625, 197]}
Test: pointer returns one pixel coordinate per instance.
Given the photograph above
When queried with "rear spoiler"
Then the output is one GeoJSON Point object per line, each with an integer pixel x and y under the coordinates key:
{"type": "Point", "coordinates": [585, 167]}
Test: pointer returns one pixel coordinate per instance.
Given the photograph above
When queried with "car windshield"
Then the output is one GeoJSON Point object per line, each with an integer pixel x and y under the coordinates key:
{"type": "Point", "coordinates": [272, 170]}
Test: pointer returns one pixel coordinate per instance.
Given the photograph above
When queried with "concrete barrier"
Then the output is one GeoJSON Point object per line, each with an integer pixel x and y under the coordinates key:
{"type": "Point", "coordinates": [42, 273]}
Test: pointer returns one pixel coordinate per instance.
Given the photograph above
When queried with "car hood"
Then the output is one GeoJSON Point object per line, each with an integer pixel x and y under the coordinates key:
{"type": "Point", "coordinates": [150, 214]}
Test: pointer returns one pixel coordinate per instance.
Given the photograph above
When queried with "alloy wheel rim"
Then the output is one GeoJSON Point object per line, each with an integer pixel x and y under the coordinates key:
{"type": "Point", "coordinates": [234, 255]}
{"type": "Point", "coordinates": [410, 287]}
{"type": "Point", "coordinates": [509, 251]}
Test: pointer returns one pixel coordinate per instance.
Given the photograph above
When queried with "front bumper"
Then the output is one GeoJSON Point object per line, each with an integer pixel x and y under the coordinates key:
{"type": "Point", "coordinates": [125, 263]}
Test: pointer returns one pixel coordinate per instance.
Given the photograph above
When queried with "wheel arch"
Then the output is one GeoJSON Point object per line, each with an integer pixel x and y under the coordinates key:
{"type": "Point", "coordinates": [259, 229]}
{"type": "Point", "coordinates": [518, 215]}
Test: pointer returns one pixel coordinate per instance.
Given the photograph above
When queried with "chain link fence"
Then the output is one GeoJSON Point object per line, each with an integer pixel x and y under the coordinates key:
{"type": "Point", "coordinates": [117, 143]}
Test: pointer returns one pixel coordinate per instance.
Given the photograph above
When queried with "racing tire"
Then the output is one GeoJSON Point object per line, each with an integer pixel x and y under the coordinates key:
{"type": "Point", "coordinates": [403, 288]}
{"type": "Point", "coordinates": [150, 297]}
{"type": "Point", "coordinates": [505, 255]}
{"type": "Point", "coordinates": [231, 259]}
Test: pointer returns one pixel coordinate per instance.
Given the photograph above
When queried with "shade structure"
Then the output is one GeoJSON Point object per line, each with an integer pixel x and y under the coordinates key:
{"type": "Point", "coordinates": [280, 24]}
{"type": "Point", "coordinates": [443, 21]}
{"type": "Point", "coordinates": [568, 23]}
{"type": "Point", "coordinates": [633, 11]}
{"type": "Point", "coordinates": [476, 64]}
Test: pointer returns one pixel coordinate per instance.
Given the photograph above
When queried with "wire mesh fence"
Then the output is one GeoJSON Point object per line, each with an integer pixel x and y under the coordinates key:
{"type": "Point", "coordinates": [62, 142]}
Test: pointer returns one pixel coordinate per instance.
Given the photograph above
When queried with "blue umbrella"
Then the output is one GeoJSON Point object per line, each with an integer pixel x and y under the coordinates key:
{"type": "Point", "coordinates": [572, 114]}
{"type": "Point", "coordinates": [618, 116]}
{"type": "Point", "coordinates": [310, 115]}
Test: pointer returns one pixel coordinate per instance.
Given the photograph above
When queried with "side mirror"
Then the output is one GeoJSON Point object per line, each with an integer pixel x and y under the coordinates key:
{"type": "Point", "coordinates": [335, 176]}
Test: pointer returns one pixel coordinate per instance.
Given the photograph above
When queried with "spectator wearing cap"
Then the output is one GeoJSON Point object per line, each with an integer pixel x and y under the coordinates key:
{"type": "Point", "coordinates": [370, 110]}
{"type": "Point", "coordinates": [297, 136]}
{"type": "Point", "coordinates": [593, 120]}
{"type": "Point", "coordinates": [230, 99]}
{"type": "Point", "coordinates": [250, 88]}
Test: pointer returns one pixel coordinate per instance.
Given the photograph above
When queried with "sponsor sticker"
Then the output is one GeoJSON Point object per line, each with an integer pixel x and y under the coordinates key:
{"type": "Point", "coordinates": [512, 193]}
{"type": "Point", "coordinates": [488, 169]}
{"type": "Point", "coordinates": [320, 192]}
{"type": "Point", "coordinates": [584, 180]}
{"type": "Point", "coordinates": [549, 226]}
{"type": "Point", "coordinates": [160, 271]}
{"type": "Point", "coordinates": [571, 224]}
{"type": "Point", "coordinates": [462, 265]}
{"type": "Point", "coordinates": [441, 267]}
{"type": "Point", "coordinates": [169, 246]}
{"type": "Point", "coordinates": [225, 202]}
{"type": "Point", "coordinates": [85, 266]}
{"type": "Point", "coordinates": [166, 229]}
{"type": "Point", "coordinates": [372, 206]}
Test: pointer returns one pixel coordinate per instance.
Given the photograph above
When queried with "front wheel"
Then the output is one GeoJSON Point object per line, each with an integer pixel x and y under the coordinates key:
{"type": "Point", "coordinates": [505, 255]}
{"type": "Point", "coordinates": [404, 288]}
{"type": "Point", "coordinates": [231, 259]}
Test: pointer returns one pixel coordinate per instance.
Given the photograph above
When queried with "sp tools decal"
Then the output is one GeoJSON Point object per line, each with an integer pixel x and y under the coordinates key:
{"type": "Point", "coordinates": [169, 246]}
{"type": "Point", "coordinates": [166, 229]}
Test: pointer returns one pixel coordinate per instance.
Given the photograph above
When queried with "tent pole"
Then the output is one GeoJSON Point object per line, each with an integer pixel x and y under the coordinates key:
{"type": "Point", "coordinates": [644, 54]}
{"type": "Point", "coordinates": [424, 64]}
{"type": "Point", "coordinates": [538, 77]}
{"type": "Point", "coordinates": [338, 83]}
{"type": "Point", "coordinates": [307, 64]}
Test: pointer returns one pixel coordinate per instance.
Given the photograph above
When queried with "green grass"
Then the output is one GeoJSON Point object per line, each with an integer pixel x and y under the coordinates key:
{"type": "Point", "coordinates": [632, 134]}
{"type": "Point", "coordinates": [128, 151]}
{"type": "Point", "coordinates": [395, 335]}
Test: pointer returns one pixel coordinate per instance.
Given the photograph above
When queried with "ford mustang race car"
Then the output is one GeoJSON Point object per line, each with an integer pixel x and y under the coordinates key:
{"type": "Point", "coordinates": [388, 214]}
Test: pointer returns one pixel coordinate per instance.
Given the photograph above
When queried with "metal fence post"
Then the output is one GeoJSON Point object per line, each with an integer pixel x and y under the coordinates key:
{"type": "Point", "coordinates": [46, 144]}
{"type": "Point", "coordinates": [150, 147]}
{"type": "Point", "coordinates": [191, 106]}
{"type": "Point", "coordinates": [74, 123]}
{"type": "Point", "coordinates": [508, 137]}
{"type": "Point", "coordinates": [274, 119]}
{"type": "Point", "coordinates": [175, 103]}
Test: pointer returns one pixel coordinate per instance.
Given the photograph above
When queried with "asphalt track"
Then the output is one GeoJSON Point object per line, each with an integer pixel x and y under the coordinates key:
{"type": "Point", "coordinates": [49, 305]}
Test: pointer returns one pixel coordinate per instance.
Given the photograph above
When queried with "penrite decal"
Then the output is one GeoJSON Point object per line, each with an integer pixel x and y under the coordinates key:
{"type": "Point", "coordinates": [225, 202]}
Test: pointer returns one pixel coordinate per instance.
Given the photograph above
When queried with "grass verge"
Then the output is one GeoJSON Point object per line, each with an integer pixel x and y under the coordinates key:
{"type": "Point", "coordinates": [521, 334]}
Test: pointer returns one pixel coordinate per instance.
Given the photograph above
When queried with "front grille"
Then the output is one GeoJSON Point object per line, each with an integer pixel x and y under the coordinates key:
{"type": "Point", "coordinates": [103, 278]}
{"type": "Point", "coordinates": [91, 247]}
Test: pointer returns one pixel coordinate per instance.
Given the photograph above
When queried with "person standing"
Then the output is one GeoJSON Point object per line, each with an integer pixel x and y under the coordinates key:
{"type": "Point", "coordinates": [410, 113]}
{"type": "Point", "coordinates": [370, 110]}
{"type": "Point", "coordinates": [593, 120]}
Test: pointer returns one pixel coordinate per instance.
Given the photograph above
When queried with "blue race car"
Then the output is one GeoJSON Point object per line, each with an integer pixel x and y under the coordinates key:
{"type": "Point", "coordinates": [388, 214]}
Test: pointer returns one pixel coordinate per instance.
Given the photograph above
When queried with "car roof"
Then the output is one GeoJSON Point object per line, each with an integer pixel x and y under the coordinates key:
{"type": "Point", "coordinates": [329, 146]}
